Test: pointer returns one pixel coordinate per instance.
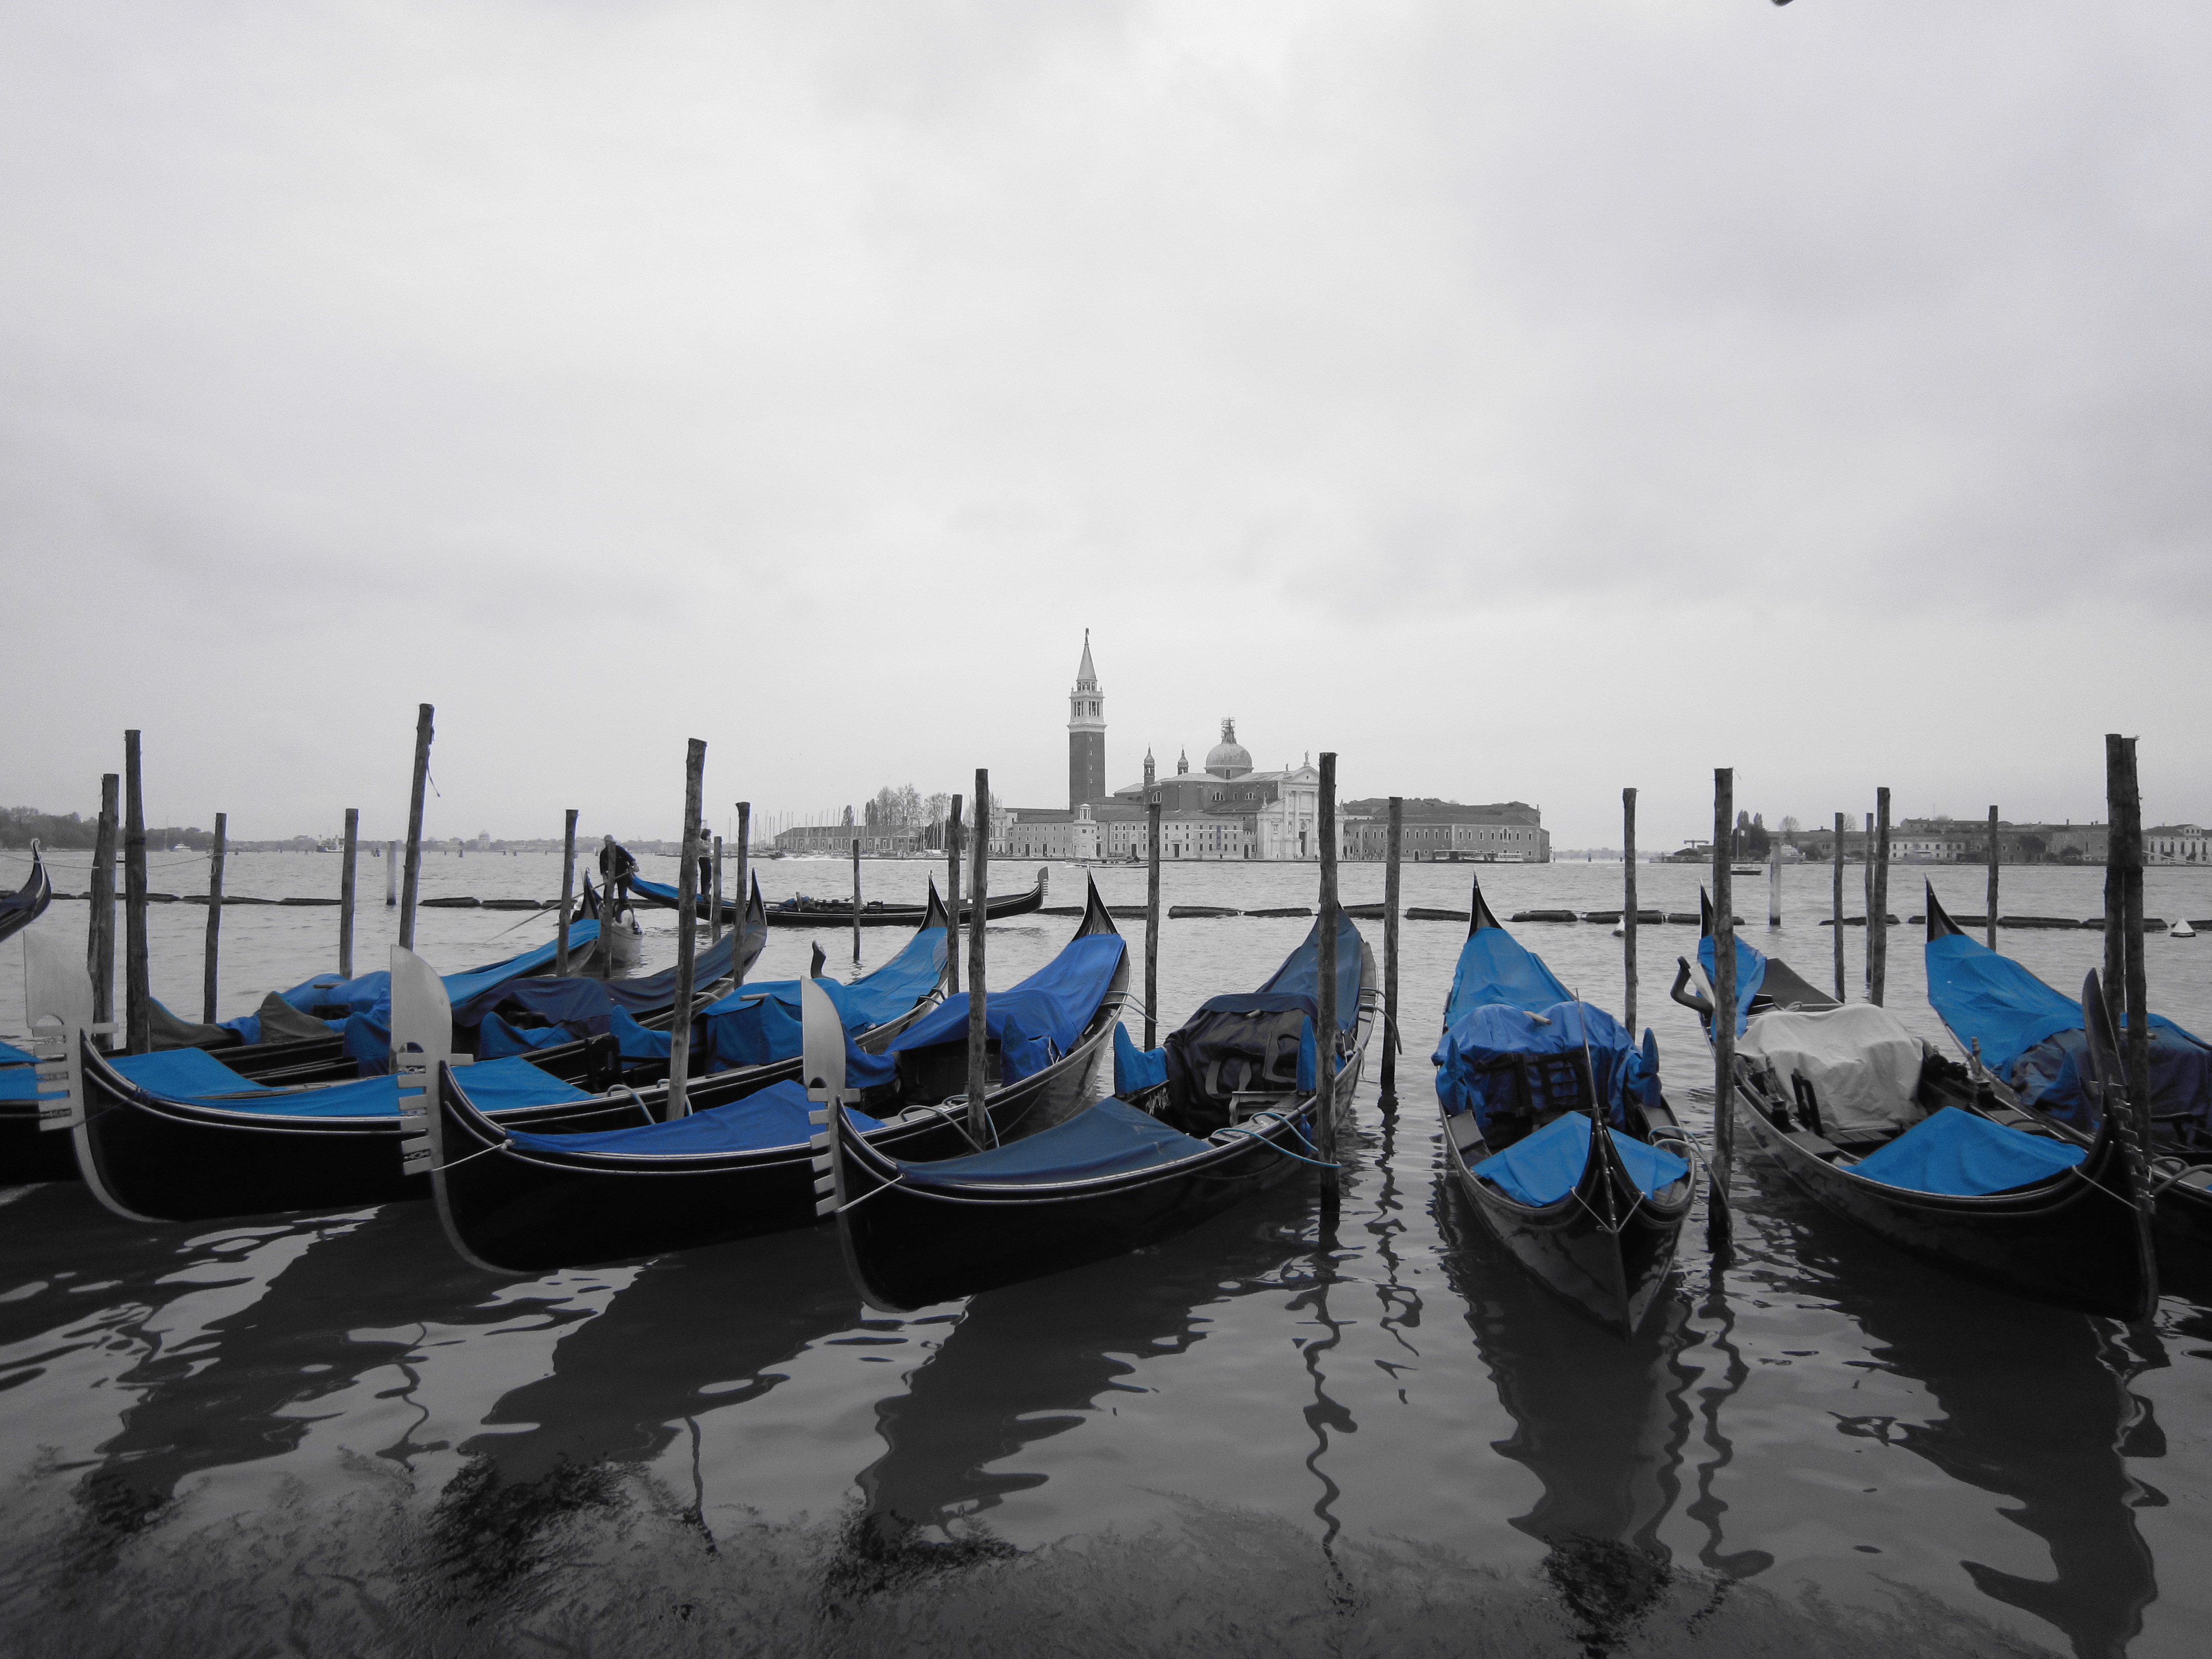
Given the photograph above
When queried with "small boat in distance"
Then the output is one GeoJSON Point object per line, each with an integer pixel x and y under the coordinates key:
{"type": "Point", "coordinates": [805, 912]}
{"type": "Point", "coordinates": [1556, 1130]}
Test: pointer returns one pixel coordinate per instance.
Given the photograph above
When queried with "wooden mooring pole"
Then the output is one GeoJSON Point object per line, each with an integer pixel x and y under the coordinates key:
{"type": "Point", "coordinates": [1836, 911]}
{"type": "Point", "coordinates": [349, 891]}
{"type": "Point", "coordinates": [856, 901]}
{"type": "Point", "coordinates": [567, 894]}
{"type": "Point", "coordinates": [1628, 917]}
{"type": "Point", "coordinates": [687, 945]}
{"type": "Point", "coordinates": [1325, 1138]}
{"type": "Point", "coordinates": [1389, 1090]}
{"type": "Point", "coordinates": [979, 1027]}
{"type": "Point", "coordinates": [1773, 883]}
{"type": "Point", "coordinates": [137, 989]}
{"type": "Point", "coordinates": [1151, 925]}
{"type": "Point", "coordinates": [714, 903]}
{"type": "Point", "coordinates": [390, 875]}
{"type": "Point", "coordinates": [1878, 904]}
{"type": "Point", "coordinates": [1718, 1229]}
{"type": "Point", "coordinates": [211, 973]}
{"type": "Point", "coordinates": [2124, 882]}
{"type": "Point", "coordinates": [100, 941]}
{"type": "Point", "coordinates": [1866, 882]}
{"type": "Point", "coordinates": [953, 833]}
{"type": "Point", "coordinates": [741, 897]}
{"type": "Point", "coordinates": [412, 881]}
{"type": "Point", "coordinates": [1990, 915]}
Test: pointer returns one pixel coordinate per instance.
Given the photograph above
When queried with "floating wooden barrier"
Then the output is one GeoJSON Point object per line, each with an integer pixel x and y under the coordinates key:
{"type": "Point", "coordinates": [1545, 915]}
{"type": "Point", "coordinates": [1361, 912]}
{"type": "Point", "coordinates": [1685, 918]}
{"type": "Point", "coordinates": [1422, 913]}
{"type": "Point", "coordinates": [1287, 910]}
{"type": "Point", "coordinates": [452, 904]}
{"type": "Point", "coordinates": [1606, 918]}
{"type": "Point", "coordinates": [520, 904]}
{"type": "Point", "coordinates": [1860, 921]}
{"type": "Point", "coordinates": [1208, 910]}
{"type": "Point", "coordinates": [291, 901]}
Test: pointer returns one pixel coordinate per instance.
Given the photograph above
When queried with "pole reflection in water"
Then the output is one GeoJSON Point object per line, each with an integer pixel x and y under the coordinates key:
{"type": "Point", "coordinates": [2032, 1405]}
{"type": "Point", "coordinates": [1034, 1360]}
{"type": "Point", "coordinates": [693, 1334]}
{"type": "Point", "coordinates": [1601, 1422]}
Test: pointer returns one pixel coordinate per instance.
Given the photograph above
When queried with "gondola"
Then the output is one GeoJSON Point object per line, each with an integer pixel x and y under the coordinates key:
{"type": "Point", "coordinates": [526, 1203]}
{"type": "Point", "coordinates": [1116, 1176]}
{"type": "Point", "coordinates": [20, 909]}
{"type": "Point", "coordinates": [1874, 1126]}
{"type": "Point", "coordinates": [804, 912]}
{"type": "Point", "coordinates": [1525, 1072]}
{"type": "Point", "coordinates": [2032, 1036]}
{"type": "Point", "coordinates": [178, 1136]}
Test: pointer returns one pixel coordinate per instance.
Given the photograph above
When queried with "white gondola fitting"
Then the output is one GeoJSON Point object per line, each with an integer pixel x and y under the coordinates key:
{"type": "Point", "coordinates": [57, 1009]}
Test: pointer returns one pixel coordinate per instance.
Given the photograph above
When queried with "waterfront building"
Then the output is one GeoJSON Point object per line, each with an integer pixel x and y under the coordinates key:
{"type": "Point", "coordinates": [1445, 831]}
{"type": "Point", "coordinates": [2175, 844]}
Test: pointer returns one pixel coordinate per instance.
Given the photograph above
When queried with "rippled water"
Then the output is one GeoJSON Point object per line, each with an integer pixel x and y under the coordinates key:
{"type": "Point", "coordinates": [326, 1434]}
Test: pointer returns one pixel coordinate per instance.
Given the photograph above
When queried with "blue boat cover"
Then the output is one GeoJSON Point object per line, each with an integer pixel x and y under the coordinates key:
{"type": "Point", "coordinates": [1496, 967]}
{"type": "Point", "coordinates": [1476, 1062]}
{"type": "Point", "coordinates": [775, 1117]}
{"type": "Point", "coordinates": [2031, 1035]}
{"type": "Point", "coordinates": [1300, 973]}
{"type": "Point", "coordinates": [1135, 1069]}
{"type": "Point", "coordinates": [758, 1024]}
{"type": "Point", "coordinates": [1963, 1155]}
{"type": "Point", "coordinates": [18, 1083]}
{"type": "Point", "coordinates": [196, 1075]}
{"type": "Point", "coordinates": [496, 1038]}
{"type": "Point", "coordinates": [1750, 975]}
{"type": "Point", "coordinates": [1035, 1022]}
{"type": "Point", "coordinates": [1543, 1168]}
{"type": "Point", "coordinates": [366, 992]}
{"type": "Point", "coordinates": [1111, 1138]}
{"type": "Point", "coordinates": [11, 1055]}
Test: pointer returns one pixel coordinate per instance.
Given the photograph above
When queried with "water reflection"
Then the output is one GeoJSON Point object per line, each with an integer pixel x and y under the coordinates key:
{"type": "Point", "coordinates": [1035, 1360]}
{"type": "Point", "coordinates": [2032, 1405]}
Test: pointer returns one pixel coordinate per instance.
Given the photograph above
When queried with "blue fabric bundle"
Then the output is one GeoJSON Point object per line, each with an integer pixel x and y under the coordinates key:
{"type": "Point", "coordinates": [758, 1024]}
{"type": "Point", "coordinates": [1300, 973]}
{"type": "Point", "coordinates": [1750, 975]}
{"type": "Point", "coordinates": [496, 1038]}
{"type": "Point", "coordinates": [1135, 1069]}
{"type": "Point", "coordinates": [194, 1074]}
{"type": "Point", "coordinates": [1496, 967]}
{"type": "Point", "coordinates": [11, 1055]}
{"type": "Point", "coordinates": [775, 1117]}
{"type": "Point", "coordinates": [1034, 1022]}
{"type": "Point", "coordinates": [1544, 1167]}
{"type": "Point", "coordinates": [1112, 1137]}
{"type": "Point", "coordinates": [1963, 1155]}
{"type": "Point", "coordinates": [1479, 1060]}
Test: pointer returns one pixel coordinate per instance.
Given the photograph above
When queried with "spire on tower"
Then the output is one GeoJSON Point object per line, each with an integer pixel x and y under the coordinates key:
{"type": "Point", "coordinates": [1087, 677]}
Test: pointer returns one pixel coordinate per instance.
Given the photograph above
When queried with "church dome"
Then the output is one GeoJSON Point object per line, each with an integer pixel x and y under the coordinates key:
{"type": "Point", "coordinates": [1229, 758]}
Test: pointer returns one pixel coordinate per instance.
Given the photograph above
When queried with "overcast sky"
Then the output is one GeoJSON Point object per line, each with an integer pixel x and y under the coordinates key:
{"type": "Point", "coordinates": [1522, 400]}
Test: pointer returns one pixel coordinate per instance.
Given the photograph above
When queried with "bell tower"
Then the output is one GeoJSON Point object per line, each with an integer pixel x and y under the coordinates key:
{"type": "Point", "coordinates": [1086, 734]}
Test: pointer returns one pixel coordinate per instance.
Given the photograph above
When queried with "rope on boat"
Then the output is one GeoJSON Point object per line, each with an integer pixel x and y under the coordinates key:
{"type": "Point", "coordinates": [2171, 1171]}
{"type": "Point", "coordinates": [1251, 1134]}
{"type": "Point", "coordinates": [499, 1145]}
{"type": "Point", "coordinates": [865, 1197]}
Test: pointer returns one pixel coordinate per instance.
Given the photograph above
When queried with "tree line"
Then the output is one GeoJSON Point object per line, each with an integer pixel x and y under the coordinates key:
{"type": "Point", "coordinates": [21, 825]}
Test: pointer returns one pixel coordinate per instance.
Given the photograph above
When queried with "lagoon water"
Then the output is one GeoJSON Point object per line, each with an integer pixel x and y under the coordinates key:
{"type": "Point", "coordinates": [326, 1435]}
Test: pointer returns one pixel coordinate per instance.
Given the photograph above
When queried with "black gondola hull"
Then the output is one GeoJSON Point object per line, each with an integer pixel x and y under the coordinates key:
{"type": "Point", "coordinates": [2076, 1241]}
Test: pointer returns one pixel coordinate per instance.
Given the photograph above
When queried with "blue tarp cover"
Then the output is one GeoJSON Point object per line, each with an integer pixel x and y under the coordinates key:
{"type": "Point", "coordinates": [2031, 1035]}
{"type": "Point", "coordinates": [1495, 1035]}
{"type": "Point", "coordinates": [496, 1039]}
{"type": "Point", "coordinates": [1037, 1021]}
{"type": "Point", "coordinates": [1965, 1155]}
{"type": "Point", "coordinates": [1543, 1168]}
{"type": "Point", "coordinates": [1496, 967]}
{"type": "Point", "coordinates": [758, 1024]}
{"type": "Point", "coordinates": [1300, 973]}
{"type": "Point", "coordinates": [194, 1074]}
{"type": "Point", "coordinates": [1111, 1138]}
{"type": "Point", "coordinates": [775, 1117]}
{"type": "Point", "coordinates": [1135, 1069]}
{"type": "Point", "coordinates": [11, 1055]}
{"type": "Point", "coordinates": [18, 1083]}
{"type": "Point", "coordinates": [1750, 974]}
{"type": "Point", "coordinates": [366, 992]}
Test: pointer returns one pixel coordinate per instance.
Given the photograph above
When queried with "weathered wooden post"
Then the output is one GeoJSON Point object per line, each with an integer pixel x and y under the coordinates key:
{"type": "Point", "coordinates": [1332, 1178]}
{"type": "Point", "coordinates": [2124, 921]}
{"type": "Point", "coordinates": [856, 901]}
{"type": "Point", "coordinates": [742, 895]}
{"type": "Point", "coordinates": [390, 875]}
{"type": "Point", "coordinates": [348, 873]}
{"type": "Point", "coordinates": [1866, 882]}
{"type": "Point", "coordinates": [1151, 925]}
{"type": "Point", "coordinates": [1836, 911]}
{"type": "Point", "coordinates": [714, 903]}
{"type": "Point", "coordinates": [1878, 905]}
{"type": "Point", "coordinates": [687, 947]}
{"type": "Point", "coordinates": [99, 942]}
{"type": "Point", "coordinates": [1991, 917]}
{"type": "Point", "coordinates": [979, 1027]}
{"type": "Point", "coordinates": [1388, 1093]}
{"type": "Point", "coordinates": [138, 987]}
{"type": "Point", "coordinates": [214, 917]}
{"type": "Point", "coordinates": [953, 833]}
{"type": "Point", "coordinates": [1628, 917]}
{"type": "Point", "coordinates": [1773, 883]}
{"type": "Point", "coordinates": [413, 880]}
{"type": "Point", "coordinates": [1718, 1229]}
{"type": "Point", "coordinates": [567, 894]}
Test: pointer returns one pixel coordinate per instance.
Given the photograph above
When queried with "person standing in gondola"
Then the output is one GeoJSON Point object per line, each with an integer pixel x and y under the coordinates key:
{"type": "Point", "coordinates": [616, 866]}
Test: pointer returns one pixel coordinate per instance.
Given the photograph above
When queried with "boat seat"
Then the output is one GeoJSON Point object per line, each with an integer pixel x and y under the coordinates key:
{"type": "Point", "coordinates": [1816, 1144]}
